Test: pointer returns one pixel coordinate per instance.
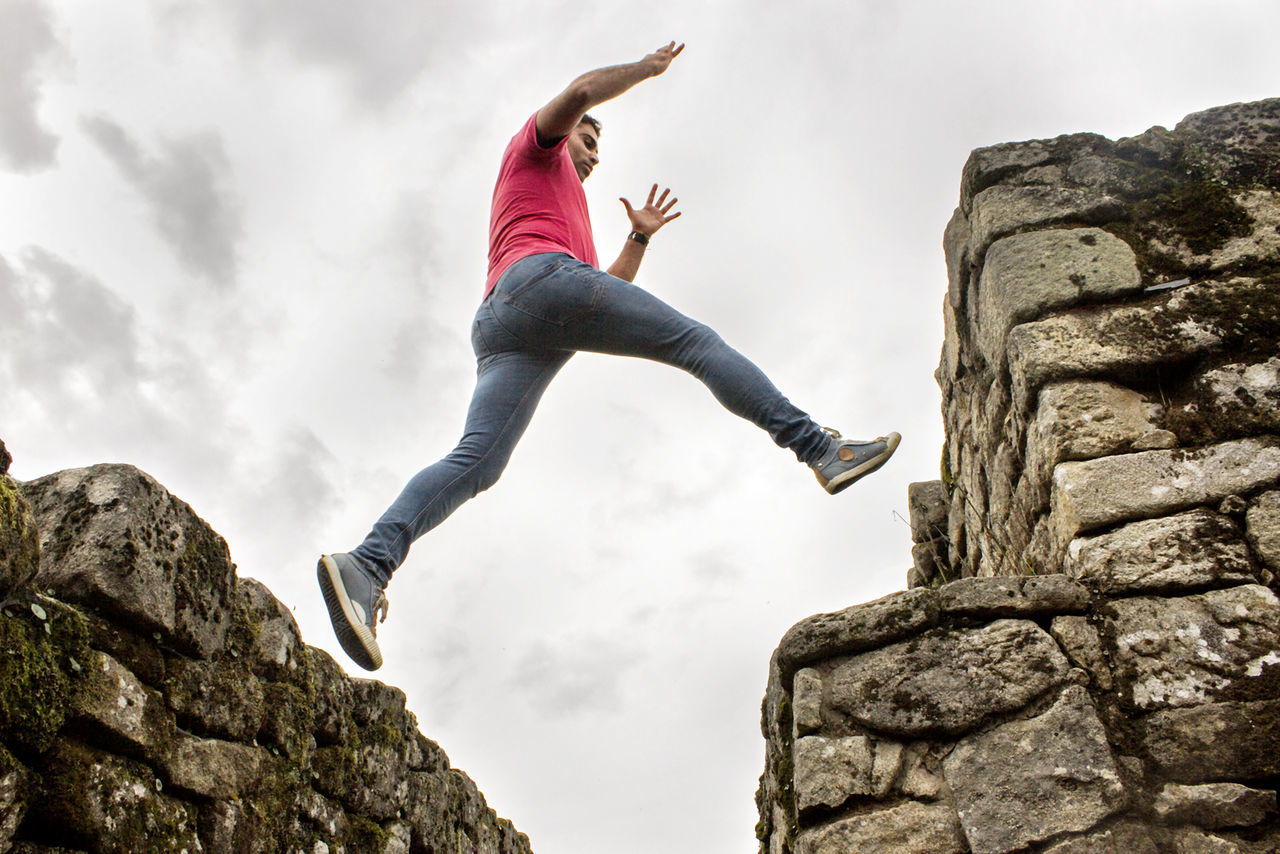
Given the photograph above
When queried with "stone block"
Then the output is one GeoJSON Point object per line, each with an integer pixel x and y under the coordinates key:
{"type": "Point", "coordinates": [1187, 651]}
{"type": "Point", "coordinates": [858, 628]}
{"type": "Point", "coordinates": [928, 504]}
{"type": "Point", "coordinates": [1237, 399]}
{"type": "Point", "coordinates": [1001, 211]}
{"type": "Point", "coordinates": [112, 805]}
{"type": "Point", "coordinates": [1089, 419]}
{"type": "Point", "coordinates": [19, 542]}
{"type": "Point", "coordinates": [955, 248]}
{"type": "Point", "coordinates": [222, 699]}
{"type": "Point", "coordinates": [1262, 524]}
{"type": "Point", "coordinates": [212, 768]}
{"type": "Point", "coordinates": [989, 598]}
{"type": "Point", "coordinates": [1219, 741]}
{"type": "Point", "coordinates": [1026, 276]}
{"type": "Point", "coordinates": [1195, 549]}
{"type": "Point", "coordinates": [1234, 144]}
{"type": "Point", "coordinates": [1214, 805]}
{"type": "Point", "coordinates": [1125, 837]}
{"type": "Point", "coordinates": [946, 681]}
{"type": "Point", "coordinates": [1079, 640]}
{"type": "Point", "coordinates": [806, 703]}
{"type": "Point", "coordinates": [124, 714]}
{"type": "Point", "coordinates": [277, 650]}
{"type": "Point", "coordinates": [1030, 780]}
{"type": "Point", "coordinates": [909, 828]}
{"type": "Point", "coordinates": [992, 164]}
{"type": "Point", "coordinates": [113, 540]}
{"type": "Point", "coordinates": [16, 791]}
{"type": "Point", "coordinates": [1095, 493]}
{"type": "Point", "coordinates": [1131, 339]}
{"type": "Point", "coordinates": [829, 771]}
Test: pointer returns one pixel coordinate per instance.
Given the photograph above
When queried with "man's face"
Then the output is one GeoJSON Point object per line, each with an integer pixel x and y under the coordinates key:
{"type": "Point", "coordinates": [583, 149]}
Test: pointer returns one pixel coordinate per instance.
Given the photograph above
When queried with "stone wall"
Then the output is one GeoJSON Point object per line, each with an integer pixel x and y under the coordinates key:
{"type": "Point", "coordinates": [1087, 658]}
{"type": "Point", "coordinates": [153, 701]}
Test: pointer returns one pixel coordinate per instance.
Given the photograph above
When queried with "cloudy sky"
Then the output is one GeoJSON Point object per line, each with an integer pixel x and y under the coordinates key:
{"type": "Point", "coordinates": [241, 243]}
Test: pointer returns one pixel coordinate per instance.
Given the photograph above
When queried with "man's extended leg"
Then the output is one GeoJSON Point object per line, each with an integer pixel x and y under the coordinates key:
{"type": "Point", "coordinates": [568, 304]}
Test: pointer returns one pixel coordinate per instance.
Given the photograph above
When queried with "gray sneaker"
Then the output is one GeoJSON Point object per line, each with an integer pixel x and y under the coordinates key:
{"type": "Point", "coordinates": [354, 601]}
{"type": "Point", "coordinates": [847, 460]}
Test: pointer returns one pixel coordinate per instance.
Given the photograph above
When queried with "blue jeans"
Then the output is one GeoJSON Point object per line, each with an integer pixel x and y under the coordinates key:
{"type": "Point", "coordinates": [544, 309]}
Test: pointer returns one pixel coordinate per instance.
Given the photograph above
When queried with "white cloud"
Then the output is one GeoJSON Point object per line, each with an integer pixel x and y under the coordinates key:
{"type": "Point", "coordinates": [27, 47]}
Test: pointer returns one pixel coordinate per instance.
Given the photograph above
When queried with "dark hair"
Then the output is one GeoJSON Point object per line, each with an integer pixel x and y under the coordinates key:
{"type": "Point", "coordinates": [590, 120]}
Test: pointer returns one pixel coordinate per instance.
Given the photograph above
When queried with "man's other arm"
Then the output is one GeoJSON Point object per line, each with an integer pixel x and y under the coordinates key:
{"type": "Point", "coordinates": [562, 114]}
{"type": "Point", "coordinates": [645, 221]}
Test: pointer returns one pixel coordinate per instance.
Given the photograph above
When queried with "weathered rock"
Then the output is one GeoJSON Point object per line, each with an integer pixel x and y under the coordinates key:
{"type": "Point", "coordinates": [113, 805]}
{"type": "Point", "coordinates": [1001, 211]}
{"type": "Point", "coordinates": [1025, 276]}
{"type": "Point", "coordinates": [276, 649]}
{"type": "Point", "coordinates": [1085, 420]}
{"type": "Point", "coordinates": [125, 714]}
{"type": "Point", "coordinates": [806, 702]}
{"type": "Point", "coordinates": [946, 681]}
{"type": "Point", "coordinates": [1235, 144]}
{"type": "Point", "coordinates": [989, 598]}
{"type": "Point", "coordinates": [1214, 805]}
{"type": "Point", "coordinates": [1215, 742]}
{"type": "Point", "coordinates": [1079, 640]}
{"type": "Point", "coordinates": [211, 768]}
{"type": "Point", "coordinates": [19, 542]}
{"type": "Point", "coordinates": [1216, 646]}
{"type": "Point", "coordinates": [1131, 339]}
{"type": "Point", "coordinates": [910, 828]}
{"type": "Point", "coordinates": [219, 699]}
{"type": "Point", "coordinates": [829, 771]}
{"type": "Point", "coordinates": [1263, 525]}
{"type": "Point", "coordinates": [5, 458]}
{"type": "Point", "coordinates": [995, 163]}
{"type": "Point", "coordinates": [43, 652]}
{"type": "Point", "coordinates": [858, 628]}
{"type": "Point", "coordinates": [114, 540]}
{"type": "Point", "coordinates": [955, 247]}
{"type": "Point", "coordinates": [928, 505]}
{"type": "Point", "coordinates": [1195, 549]}
{"type": "Point", "coordinates": [1093, 493]}
{"type": "Point", "coordinates": [1232, 400]}
{"type": "Point", "coordinates": [15, 793]}
{"type": "Point", "coordinates": [1027, 781]}
{"type": "Point", "coordinates": [1126, 837]}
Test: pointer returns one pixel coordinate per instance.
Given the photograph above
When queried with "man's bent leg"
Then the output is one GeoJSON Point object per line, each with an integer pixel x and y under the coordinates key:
{"type": "Point", "coordinates": [508, 388]}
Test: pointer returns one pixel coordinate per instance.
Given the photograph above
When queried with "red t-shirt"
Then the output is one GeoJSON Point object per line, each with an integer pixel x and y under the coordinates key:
{"type": "Point", "coordinates": [538, 205]}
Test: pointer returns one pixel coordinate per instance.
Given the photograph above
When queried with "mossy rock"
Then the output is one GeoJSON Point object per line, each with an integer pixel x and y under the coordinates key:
{"type": "Point", "coordinates": [19, 542]}
{"type": "Point", "coordinates": [43, 649]}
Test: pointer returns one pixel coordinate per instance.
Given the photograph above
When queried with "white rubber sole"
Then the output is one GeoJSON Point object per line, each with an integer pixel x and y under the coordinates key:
{"type": "Point", "coordinates": [356, 638]}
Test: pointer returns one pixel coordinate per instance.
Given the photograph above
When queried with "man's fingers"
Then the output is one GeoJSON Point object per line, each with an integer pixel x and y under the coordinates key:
{"type": "Point", "coordinates": [652, 190]}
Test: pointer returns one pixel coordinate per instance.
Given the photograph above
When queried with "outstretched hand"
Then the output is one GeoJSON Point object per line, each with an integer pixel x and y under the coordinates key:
{"type": "Point", "coordinates": [655, 213]}
{"type": "Point", "coordinates": [661, 58]}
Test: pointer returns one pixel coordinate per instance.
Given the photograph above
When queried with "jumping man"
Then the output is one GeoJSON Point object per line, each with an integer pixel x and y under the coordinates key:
{"type": "Point", "coordinates": [545, 299]}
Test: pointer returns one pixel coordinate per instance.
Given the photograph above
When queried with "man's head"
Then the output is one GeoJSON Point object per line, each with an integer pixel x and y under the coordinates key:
{"type": "Point", "coordinates": [584, 144]}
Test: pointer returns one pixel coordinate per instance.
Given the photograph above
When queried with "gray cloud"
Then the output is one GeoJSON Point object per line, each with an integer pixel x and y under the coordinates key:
{"type": "Point", "coordinates": [379, 46]}
{"type": "Point", "coordinates": [187, 185]}
{"type": "Point", "coordinates": [27, 44]}
{"type": "Point", "coordinates": [65, 333]}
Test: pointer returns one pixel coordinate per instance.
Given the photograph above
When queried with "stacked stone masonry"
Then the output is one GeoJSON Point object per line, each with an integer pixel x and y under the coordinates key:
{"type": "Point", "coordinates": [155, 702]}
{"type": "Point", "coordinates": [1088, 657]}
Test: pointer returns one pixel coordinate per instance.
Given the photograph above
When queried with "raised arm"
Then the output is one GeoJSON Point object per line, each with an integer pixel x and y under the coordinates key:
{"type": "Point", "coordinates": [562, 114]}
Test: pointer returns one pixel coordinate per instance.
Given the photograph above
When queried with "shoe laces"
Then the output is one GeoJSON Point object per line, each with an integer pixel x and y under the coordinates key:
{"type": "Point", "coordinates": [835, 434]}
{"type": "Point", "coordinates": [380, 608]}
